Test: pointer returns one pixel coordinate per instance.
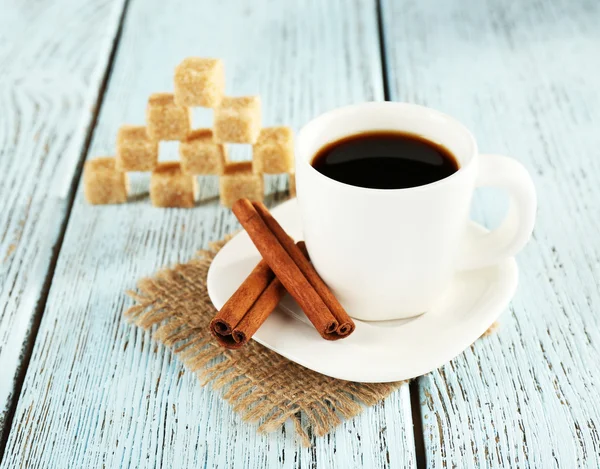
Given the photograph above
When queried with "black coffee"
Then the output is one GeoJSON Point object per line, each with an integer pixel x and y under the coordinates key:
{"type": "Point", "coordinates": [385, 160]}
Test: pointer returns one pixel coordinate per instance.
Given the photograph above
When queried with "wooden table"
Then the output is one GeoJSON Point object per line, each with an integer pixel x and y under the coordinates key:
{"type": "Point", "coordinates": [80, 388]}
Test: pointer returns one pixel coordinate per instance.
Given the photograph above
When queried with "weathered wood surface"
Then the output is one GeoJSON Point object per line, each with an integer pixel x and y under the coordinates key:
{"type": "Point", "coordinates": [50, 77]}
{"type": "Point", "coordinates": [524, 77]}
{"type": "Point", "coordinates": [98, 392]}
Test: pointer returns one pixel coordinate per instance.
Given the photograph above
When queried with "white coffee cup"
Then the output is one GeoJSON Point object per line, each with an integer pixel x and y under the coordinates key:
{"type": "Point", "coordinates": [390, 253]}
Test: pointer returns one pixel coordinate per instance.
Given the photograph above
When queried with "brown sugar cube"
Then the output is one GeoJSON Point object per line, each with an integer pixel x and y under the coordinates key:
{"type": "Point", "coordinates": [167, 120]}
{"type": "Point", "coordinates": [170, 187]}
{"type": "Point", "coordinates": [292, 183]}
{"type": "Point", "coordinates": [135, 151]}
{"type": "Point", "coordinates": [238, 182]}
{"type": "Point", "coordinates": [273, 153]}
{"type": "Point", "coordinates": [199, 82]}
{"type": "Point", "coordinates": [102, 183]}
{"type": "Point", "coordinates": [200, 155]}
{"type": "Point", "coordinates": [237, 120]}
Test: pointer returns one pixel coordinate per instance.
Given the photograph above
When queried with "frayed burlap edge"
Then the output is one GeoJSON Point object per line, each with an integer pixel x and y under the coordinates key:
{"type": "Point", "coordinates": [261, 385]}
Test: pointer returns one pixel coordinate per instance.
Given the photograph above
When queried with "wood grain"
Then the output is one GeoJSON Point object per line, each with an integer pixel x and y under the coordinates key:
{"type": "Point", "coordinates": [50, 78]}
{"type": "Point", "coordinates": [98, 392]}
{"type": "Point", "coordinates": [524, 78]}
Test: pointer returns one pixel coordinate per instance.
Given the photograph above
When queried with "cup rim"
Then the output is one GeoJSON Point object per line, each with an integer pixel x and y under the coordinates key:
{"type": "Point", "coordinates": [401, 105]}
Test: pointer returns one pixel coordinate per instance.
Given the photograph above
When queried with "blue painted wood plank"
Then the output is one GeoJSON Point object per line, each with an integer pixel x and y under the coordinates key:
{"type": "Point", "coordinates": [98, 391]}
{"type": "Point", "coordinates": [524, 78]}
{"type": "Point", "coordinates": [50, 78]}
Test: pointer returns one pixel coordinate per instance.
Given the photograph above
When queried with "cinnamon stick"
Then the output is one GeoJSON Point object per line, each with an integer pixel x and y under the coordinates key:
{"type": "Point", "coordinates": [286, 270]}
{"type": "Point", "coordinates": [248, 308]}
{"type": "Point", "coordinates": [258, 313]}
{"type": "Point", "coordinates": [240, 302]}
{"type": "Point", "coordinates": [345, 324]}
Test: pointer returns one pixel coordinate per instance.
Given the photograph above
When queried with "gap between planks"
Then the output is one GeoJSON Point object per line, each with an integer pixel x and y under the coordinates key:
{"type": "Point", "coordinates": [383, 52]}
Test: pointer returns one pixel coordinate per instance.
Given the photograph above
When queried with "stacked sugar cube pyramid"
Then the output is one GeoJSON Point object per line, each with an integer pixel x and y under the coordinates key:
{"type": "Point", "coordinates": [199, 82]}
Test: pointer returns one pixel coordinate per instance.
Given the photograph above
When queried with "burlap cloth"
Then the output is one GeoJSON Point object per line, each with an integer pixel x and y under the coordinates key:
{"type": "Point", "coordinates": [261, 385]}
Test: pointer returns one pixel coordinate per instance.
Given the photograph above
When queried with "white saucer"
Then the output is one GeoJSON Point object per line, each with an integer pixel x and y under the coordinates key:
{"type": "Point", "coordinates": [376, 351]}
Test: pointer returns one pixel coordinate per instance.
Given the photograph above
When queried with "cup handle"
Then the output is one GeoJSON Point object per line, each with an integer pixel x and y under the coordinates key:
{"type": "Point", "coordinates": [516, 228]}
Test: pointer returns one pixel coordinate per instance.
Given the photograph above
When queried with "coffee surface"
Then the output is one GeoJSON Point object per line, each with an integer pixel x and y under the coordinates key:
{"type": "Point", "coordinates": [385, 160]}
